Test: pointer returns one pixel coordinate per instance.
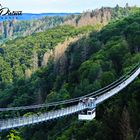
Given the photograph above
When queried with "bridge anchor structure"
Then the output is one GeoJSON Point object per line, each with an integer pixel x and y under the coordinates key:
{"type": "Point", "coordinates": [89, 113]}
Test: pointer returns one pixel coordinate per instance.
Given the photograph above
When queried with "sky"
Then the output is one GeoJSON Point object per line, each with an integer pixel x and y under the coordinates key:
{"type": "Point", "coordinates": [58, 6]}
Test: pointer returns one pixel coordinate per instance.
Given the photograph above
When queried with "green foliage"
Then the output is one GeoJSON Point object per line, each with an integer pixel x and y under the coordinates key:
{"type": "Point", "coordinates": [92, 62]}
{"type": "Point", "coordinates": [5, 72]}
{"type": "Point", "coordinates": [14, 29]}
{"type": "Point", "coordinates": [14, 135]}
{"type": "Point", "coordinates": [120, 115]}
{"type": "Point", "coordinates": [27, 53]}
{"type": "Point", "coordinates": [89, 70]}
{"type": "Point", "coordinates": [107, 78]}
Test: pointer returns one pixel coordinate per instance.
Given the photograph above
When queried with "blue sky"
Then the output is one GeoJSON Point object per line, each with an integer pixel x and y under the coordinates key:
{"type": "Point", "coordinates": [44, 6]}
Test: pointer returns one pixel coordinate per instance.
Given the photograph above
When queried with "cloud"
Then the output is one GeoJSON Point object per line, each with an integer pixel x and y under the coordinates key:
{"type": "Point", "coordinates": [40, 6]}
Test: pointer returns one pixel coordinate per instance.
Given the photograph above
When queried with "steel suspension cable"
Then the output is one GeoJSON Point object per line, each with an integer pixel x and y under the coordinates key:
{"type": "Point", "coordinates": [93, 94]}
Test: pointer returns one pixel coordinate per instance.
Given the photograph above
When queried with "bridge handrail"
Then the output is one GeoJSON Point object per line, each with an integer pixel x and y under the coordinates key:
{"type": "Point", "coordinates": [95, 93]}
{"type": "Point", "coordinates": [27, 120]}
{"type": "Point", "coordinates": [116, 84]}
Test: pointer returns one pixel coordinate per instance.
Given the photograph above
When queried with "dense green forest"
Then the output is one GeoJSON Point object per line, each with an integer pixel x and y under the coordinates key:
{"type": "Point", "coordinates": [15, 28]}
{"type": "Point", "coordinates": [96, 59]}
{"type": "Point", "coordinates": [24, 56]}
{"type": "Point", "coordinates": [27, 53]}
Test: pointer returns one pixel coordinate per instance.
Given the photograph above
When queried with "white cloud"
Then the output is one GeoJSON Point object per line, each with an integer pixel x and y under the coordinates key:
{"type": "Point", "coordinates": [42, 6]}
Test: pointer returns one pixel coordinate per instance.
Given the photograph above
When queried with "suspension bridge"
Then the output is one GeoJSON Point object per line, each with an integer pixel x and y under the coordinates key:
{"type": "Point", "coordinates": [84, 105]}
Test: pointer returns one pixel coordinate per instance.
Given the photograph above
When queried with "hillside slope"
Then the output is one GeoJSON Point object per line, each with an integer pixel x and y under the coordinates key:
{"type": "Point", "coordinates": [15, 28]}
{"type": "Point", "coordinates": [99, 16]}
{"type": "Point", "coordinates": [91, 62]}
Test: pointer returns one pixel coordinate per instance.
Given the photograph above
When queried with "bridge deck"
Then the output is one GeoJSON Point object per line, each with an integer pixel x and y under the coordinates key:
{"type": "Point", "coordinates": [22, 121]}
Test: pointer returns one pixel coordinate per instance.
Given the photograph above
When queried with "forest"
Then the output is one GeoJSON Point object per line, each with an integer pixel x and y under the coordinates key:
{"type": "Point", "coordinates": [12, 29]}
{"type": "Point", "coordinates": [90, 58]}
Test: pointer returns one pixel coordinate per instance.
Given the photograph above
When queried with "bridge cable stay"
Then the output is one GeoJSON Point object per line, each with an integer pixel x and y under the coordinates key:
{"type": "Point", "coordinates": [61, 102]}
{"type": "Point", "coordinates": [89, 106]}
{"type": "Point", "coordinates": [93, 94]}
{"type": "Point", "coordinates": [117, 83]}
